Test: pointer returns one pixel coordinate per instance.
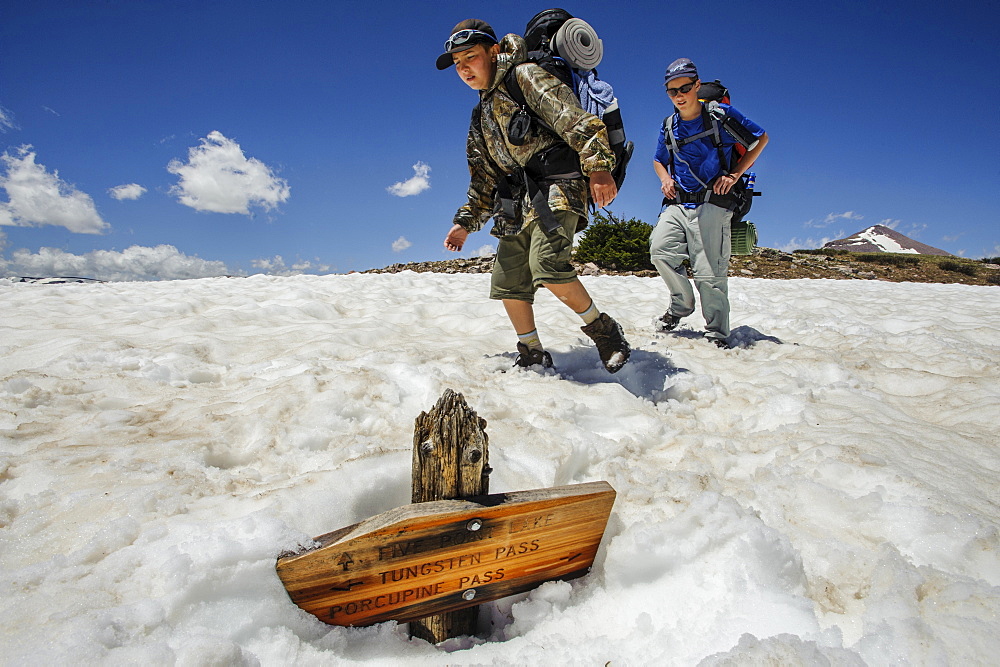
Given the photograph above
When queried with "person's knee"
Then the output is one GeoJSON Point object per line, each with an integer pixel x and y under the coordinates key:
{"type": "Point", "coordinates": [514, 283]}
{"type": "Point", "coordinates": [670, 262]}
{"type": "Point", "coordinates": [502, 294]}
{"type": "Point", "coordinates": [709, 272]}
{"type": "Point", "coordinates": [550, 262]}
{"type": "Point", "coordinates": [667, 246]}
{"type": "Point", "coordinates": [551, 271]}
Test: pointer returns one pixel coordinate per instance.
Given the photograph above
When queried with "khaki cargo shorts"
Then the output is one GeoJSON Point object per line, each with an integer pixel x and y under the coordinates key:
{"type": "Point", "coordinates": [531, 258]}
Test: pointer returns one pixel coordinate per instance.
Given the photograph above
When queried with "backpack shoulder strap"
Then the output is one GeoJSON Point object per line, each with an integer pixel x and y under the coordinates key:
{"type": "Point", "coordinates": [554, 66]}
{"type": "Point", "coordinates": [503, 191]}
{"type": "Point", "coordinates": [674, 146]}
{"type": "Point", "coordinates": [513, 88]}
{"type": "Point", "coordinates": [668, 132]}
{"type": "Point", "coordinates": [710, 118]}
{"type": "Point", "coordinates": [670, 141]}
{"type": "Point", "coordinates": [712, 115]}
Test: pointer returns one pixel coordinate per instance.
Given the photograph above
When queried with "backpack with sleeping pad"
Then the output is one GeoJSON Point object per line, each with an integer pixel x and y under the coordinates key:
{"type": "Point", "coordinates": [569, 49]}
{"type": "Point", "coordinates": [740, 198]}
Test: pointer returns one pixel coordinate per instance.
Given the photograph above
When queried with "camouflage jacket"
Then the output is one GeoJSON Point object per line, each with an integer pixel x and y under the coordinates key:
{"type": "Point", "coordinates": [488, 148]}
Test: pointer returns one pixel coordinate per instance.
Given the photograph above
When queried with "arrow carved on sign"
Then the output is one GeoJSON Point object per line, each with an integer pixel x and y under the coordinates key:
{"type": "Point", "coordinates": [348, 586]}
{"type": "Point", "coordinates": [345, 561]}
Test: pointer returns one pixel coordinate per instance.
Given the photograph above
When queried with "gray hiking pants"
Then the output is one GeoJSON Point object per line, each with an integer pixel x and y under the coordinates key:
{"type": "Point", "coordinates": [702, 236]}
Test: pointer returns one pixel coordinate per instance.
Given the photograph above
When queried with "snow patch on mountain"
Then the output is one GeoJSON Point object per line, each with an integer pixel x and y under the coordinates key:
{"type": "Point", "coordinates": [879, 238]}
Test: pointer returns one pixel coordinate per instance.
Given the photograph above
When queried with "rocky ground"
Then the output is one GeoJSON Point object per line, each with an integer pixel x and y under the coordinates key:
{"type": "Point", "coordinates": [770, 263]}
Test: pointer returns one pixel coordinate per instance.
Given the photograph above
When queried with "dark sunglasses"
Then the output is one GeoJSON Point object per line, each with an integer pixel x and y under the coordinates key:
{"type": "Point", "coordinates": [683, 90]}
{"type": "Point", "coordinates": [464, 37]}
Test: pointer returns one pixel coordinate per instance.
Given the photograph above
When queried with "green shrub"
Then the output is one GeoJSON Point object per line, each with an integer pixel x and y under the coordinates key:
{"type": "Point", "coordinates": [993, 278]}
{"type": "Point", "coordinates": [613, 243]}
{"type": "Point", "coordinates": [990, 260]}
{"type": "Point", "coordinates": [958, 267]}
{"type": "Point", "coordinates": [889, 258]}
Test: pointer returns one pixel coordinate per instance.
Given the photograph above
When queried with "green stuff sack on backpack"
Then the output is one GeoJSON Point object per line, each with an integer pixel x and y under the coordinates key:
{"type": "Point", "coordinates": [744, 237]}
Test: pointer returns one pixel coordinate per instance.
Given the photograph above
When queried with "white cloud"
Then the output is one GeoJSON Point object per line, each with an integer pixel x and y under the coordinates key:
{"type": "Point", "coordinates": [805, 244]}
{"type": "Point", "coordinates": [128, 191]}
{"type": "Point", "coordinates": [847, 215]}
{"type": "Point", "coordinates": [270, 264]}
{"type": "Point", "coordinates": [164, 262]}
{"type": "Point", "coordinates": [486, 251]}
{"type": "Point", "coordinates": [275, 266]}
{"type": "Point", "coordinates": [6, 120]}
{"type": "Point", "coordinates": [420, 181]}
{"type": "Point", "coordinates": [400, 244]}
{"type": "Point", "coordinates": [37, 197]}
{"type": "Point", "coordinates": [219, 178]}
{"type": "Point", "coordinates": [832, 218]}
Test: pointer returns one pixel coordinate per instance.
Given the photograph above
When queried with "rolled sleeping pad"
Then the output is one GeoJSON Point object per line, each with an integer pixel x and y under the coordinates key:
{"type": "Point", "coordinates": [744, 237]}
{"type": "Point", "coordinates": [579, 44]}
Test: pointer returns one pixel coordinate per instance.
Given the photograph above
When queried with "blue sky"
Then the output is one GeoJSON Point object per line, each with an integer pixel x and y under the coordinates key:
{"type": "Point", "coordinates": [879, 113]}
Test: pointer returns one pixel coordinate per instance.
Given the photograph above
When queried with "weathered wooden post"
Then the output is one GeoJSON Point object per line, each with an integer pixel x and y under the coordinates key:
{"type": "Point", "coordinates": [450, 461]}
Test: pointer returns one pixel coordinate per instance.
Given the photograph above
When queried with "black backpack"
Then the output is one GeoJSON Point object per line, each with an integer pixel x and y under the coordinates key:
{"type": "Point", "coordinates": [714, 119]}
{"type": "Point", "coordinates": [540, 36]}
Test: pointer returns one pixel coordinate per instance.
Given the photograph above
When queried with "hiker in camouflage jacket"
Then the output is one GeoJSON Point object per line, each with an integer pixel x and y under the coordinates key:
{"type": "Point", "coordinates": [487, 145]}
{"type": "Point", "coordinates": [530, 255]}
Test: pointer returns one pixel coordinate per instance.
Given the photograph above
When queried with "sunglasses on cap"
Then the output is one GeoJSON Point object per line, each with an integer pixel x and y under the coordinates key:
{"type": "Point", "coordinates": [682, 90]}
{"type": "Point", "coordinates": [464, 37]}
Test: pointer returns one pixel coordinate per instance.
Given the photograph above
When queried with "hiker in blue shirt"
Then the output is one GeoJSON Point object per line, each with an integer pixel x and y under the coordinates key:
{"type": "Point", "coordinates": [694, 162]}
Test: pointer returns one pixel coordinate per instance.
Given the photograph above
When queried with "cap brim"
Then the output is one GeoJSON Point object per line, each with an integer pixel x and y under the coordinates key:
{"type": "Point", "coordinates": [445, 60]}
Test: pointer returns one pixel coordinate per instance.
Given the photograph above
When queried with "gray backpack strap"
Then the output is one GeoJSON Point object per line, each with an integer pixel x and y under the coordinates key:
{"type": "Point", "coordinates": [717, 114]}
{"type": "Point", "coordinates": [668, 130]}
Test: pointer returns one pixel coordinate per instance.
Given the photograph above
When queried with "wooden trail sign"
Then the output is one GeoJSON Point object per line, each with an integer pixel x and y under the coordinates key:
{"type": "Point", "coordinates": [435, 557]}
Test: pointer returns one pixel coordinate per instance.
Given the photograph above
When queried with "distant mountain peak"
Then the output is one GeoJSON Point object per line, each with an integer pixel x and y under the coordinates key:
{"type": "Point", "coordinates": [879, 238]}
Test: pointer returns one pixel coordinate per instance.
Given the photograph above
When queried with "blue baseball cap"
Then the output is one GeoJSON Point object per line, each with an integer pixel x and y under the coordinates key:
{"type": "Point", "coordinates": [682, 67]}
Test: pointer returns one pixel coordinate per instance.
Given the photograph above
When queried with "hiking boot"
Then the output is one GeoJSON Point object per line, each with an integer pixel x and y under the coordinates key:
{"type": "Point", "coordinates": [668, 322]}
{"type": "Point", "coordinates": [611, 344]}
{"type": "Point", "coordinates": [528, 357]}
{"type": "Point", "coordinates": [721, 342]}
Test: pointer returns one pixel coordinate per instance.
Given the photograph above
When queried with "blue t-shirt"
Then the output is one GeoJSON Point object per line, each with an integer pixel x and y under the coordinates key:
{"type": "Point", "coordinates": [700, 154]}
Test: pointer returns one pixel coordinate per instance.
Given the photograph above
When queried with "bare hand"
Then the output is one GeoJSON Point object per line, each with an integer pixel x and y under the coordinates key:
{"type": "Point", "coordinates": [602, 188]}
{"type": "Point", "coordinates": [724, 184]}
{"type": "Point", "coordinates": [456, 238]}
{"type": "Point", "coordinates": [668, 188]}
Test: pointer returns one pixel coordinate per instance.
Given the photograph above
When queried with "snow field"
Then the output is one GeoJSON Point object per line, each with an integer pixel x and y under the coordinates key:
{"type": "Point", "coordinates": [825, 491]}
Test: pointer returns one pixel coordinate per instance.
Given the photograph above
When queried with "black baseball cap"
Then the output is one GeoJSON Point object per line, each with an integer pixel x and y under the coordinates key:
{"type": "Point", "coordinates": [464, 36]}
